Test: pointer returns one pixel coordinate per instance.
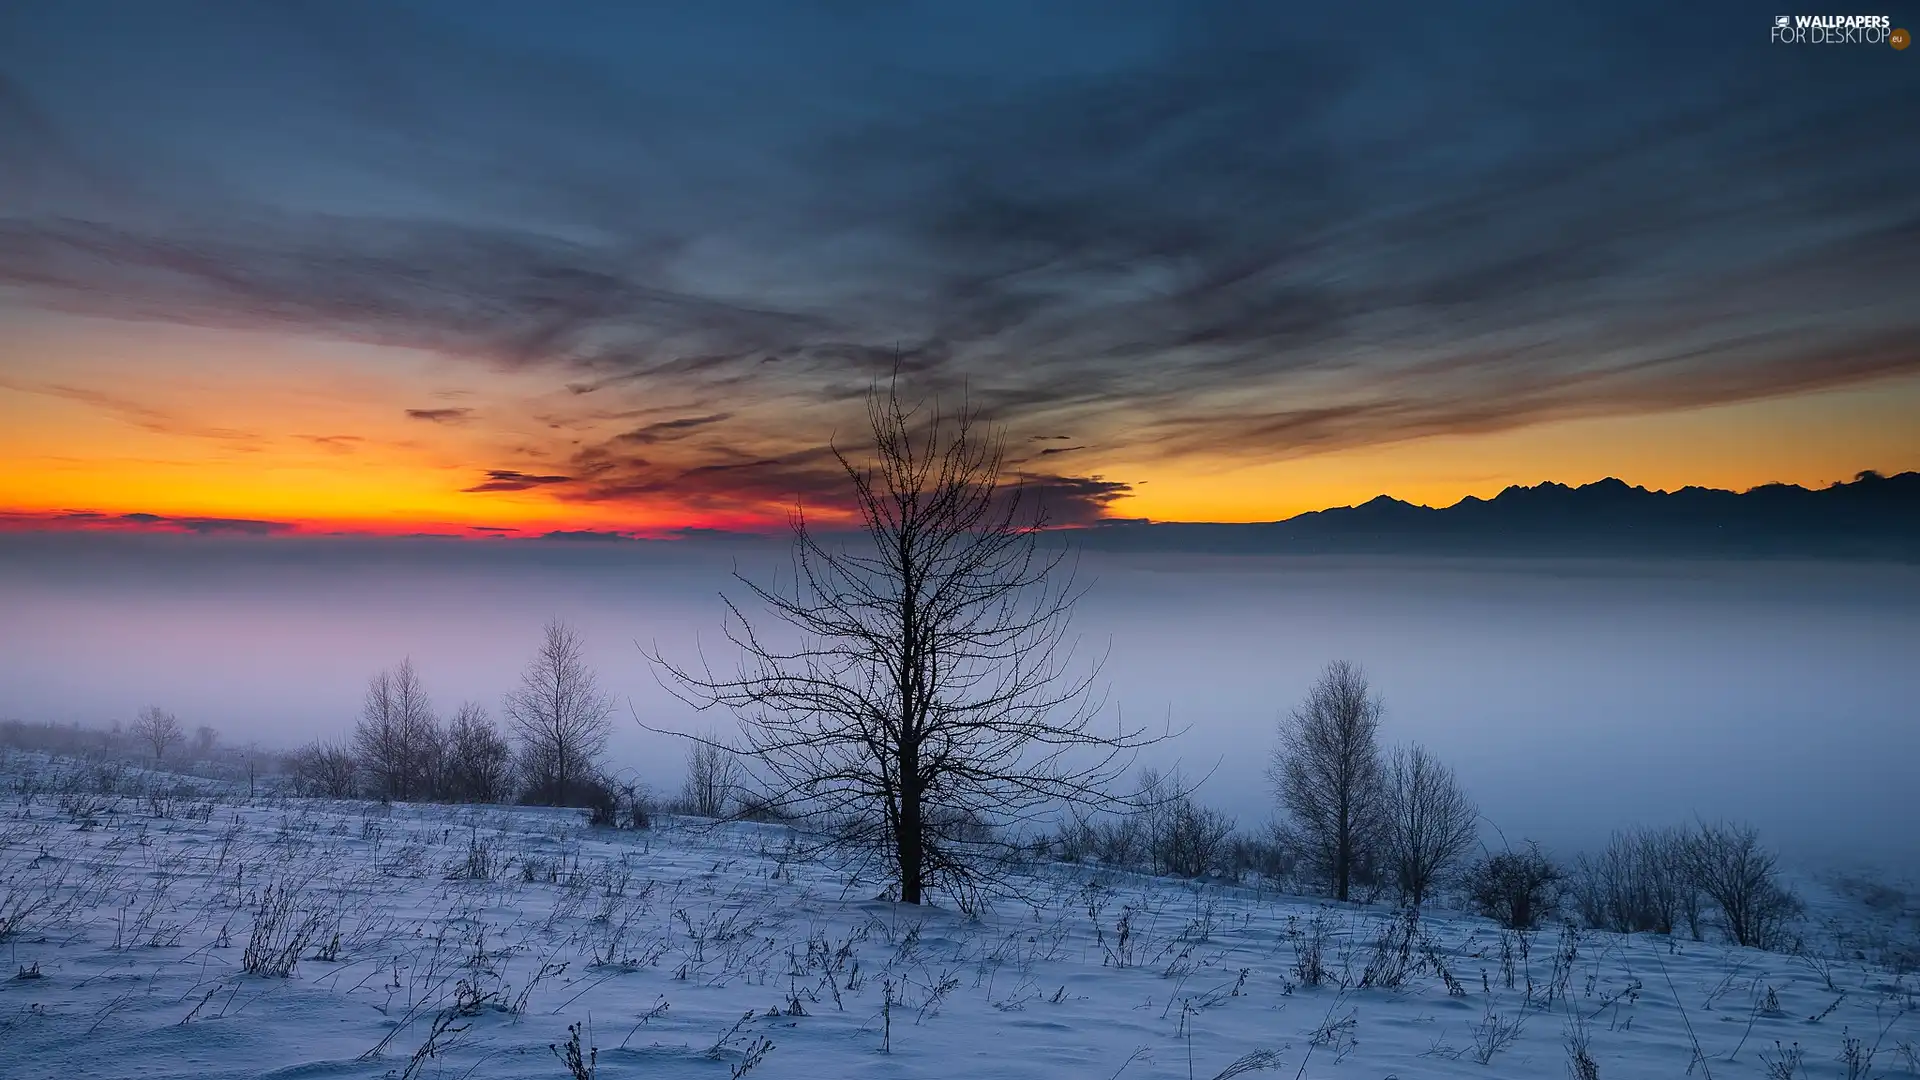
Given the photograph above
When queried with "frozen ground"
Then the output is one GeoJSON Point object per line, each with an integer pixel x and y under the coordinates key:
{"type": "Point", "coordinates": [448, 942]}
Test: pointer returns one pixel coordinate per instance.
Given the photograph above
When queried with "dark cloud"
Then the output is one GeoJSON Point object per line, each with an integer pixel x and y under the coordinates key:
{"type": "Point", "coordinates": [511, 480]}
{"type": "Point", "coordinates": [441, 416]}
{"type": "Point", "coordinates": [1174, 228]}
{"type": "Point", "coordinates": [143, 522]}
{"type": "Point", "coordinates": [663, 430]}
{"type": "Point", "coordinates": [1070, 500]}
{"type": "Point", "coordinates": [585, 534]}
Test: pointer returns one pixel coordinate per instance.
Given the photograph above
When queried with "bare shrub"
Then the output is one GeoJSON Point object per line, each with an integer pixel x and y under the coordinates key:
{"type": "Point", "coordinates": [281, 931]}
{"type": "Point", "coordinates": [1784, 1062]}
{"type": "Point", "coordinates": [601, 798]}
{"type": "Point", "coordinates": [1327, 772]}
{"type": "Point", "coordinates": [581, 1061]}
{"type": "Point", "coordinates": [561, 720]}
{"type": "Point", "coordinates": [1261, 855]}
{"type": "Point", "coordinates": [1310, 941]}
{"type": "Point", "coordinates": [1580, 1063]}
{"type": "Point", "coordinates": [159, 729]}
{"type": "Point", "coordinates": [325, 769]}
{"type": "Point", "coordinates": [1641, 881]}
{"type": "Point", "coordinates": [1742, 879]}
{"type": "Point", "coordinates": [1111, 839]}
{"type": "Point", "coordinates": [1431, 824]}
{"type": "Point", "coordinates": [1517, 889]}
{"type": "Point", "coordinates": [754, 806]}
{"type": "Point", "coordinates": [1394, 956]}
{"type": "Point", "coordinates": [1193, 841]}
{"type": "Point", "coordinates": [1495, 1033]}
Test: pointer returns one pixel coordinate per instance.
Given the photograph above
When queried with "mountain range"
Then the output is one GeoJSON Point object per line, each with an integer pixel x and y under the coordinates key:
{"type": "Point", "coordinates": [1870, 517]}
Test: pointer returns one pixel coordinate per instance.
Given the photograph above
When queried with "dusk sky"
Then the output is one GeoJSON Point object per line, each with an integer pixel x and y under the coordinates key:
{"type": "Point", "coordinates": [402, 267]}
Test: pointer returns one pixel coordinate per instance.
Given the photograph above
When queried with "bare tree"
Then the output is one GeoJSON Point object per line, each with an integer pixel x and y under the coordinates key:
{"type": "Point", "coordinates": [1326, 769]}
{"type": "Point", "coordinates": [478, 763]}
{"type": "Point", "coordinates": [1193, 838]}
{"type": "Point", "coordinates": [395, 737]}
{"type": "Point", "coordinates": [927, 699]}
{"type": "Point", "coordinates": [712, 774]}
{"type": "Point", "coordinates": [1743, 880]}
{"type": "Point", "coordinates": [1431, 824]}
{"type": "Point", "coordinates": [560, 717]}
{"type": "Point", "coordinates": [325, 768]}
{"type": "Point", "coordinates": [159, 729]}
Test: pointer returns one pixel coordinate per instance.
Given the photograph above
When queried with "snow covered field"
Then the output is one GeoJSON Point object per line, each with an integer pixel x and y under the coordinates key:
{"type": "Point", "coordinates": [213, 937]}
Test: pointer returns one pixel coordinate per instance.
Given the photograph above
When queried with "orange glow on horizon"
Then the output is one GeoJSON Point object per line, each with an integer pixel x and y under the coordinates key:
{"type": "Point", "coordinates": [190, 424]}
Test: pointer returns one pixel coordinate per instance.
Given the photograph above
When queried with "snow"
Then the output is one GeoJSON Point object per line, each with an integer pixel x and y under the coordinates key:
{"type": "Point", "coordinates": [131, 924]}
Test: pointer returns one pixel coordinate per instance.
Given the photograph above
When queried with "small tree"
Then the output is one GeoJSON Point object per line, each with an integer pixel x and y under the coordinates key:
{"type": "Point", "coordinates": [560, 718]}
{"type": "Point", "coordinates": [1743, 880]}
{"type": "Point", "coordinates": [1431, 824]}
{"type": "Point", "coordinates": [712, 776]}
{"type": "Point", "coordinates": [478, 763]}
{"type": "Point", "coordinates": [926, 701]}
{"type": "Point", "coordinates": [395, 737]}
{"type": "Point", "coordinates": [159, 729]}
{"type": "Point", "coordinates": [205, 738]}
{"type": "Point", "coordinates": [1327, 772]}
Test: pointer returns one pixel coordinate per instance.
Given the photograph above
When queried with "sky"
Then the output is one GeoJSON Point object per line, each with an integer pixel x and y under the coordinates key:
{"type": "Point", "coordinates": [506, 268]}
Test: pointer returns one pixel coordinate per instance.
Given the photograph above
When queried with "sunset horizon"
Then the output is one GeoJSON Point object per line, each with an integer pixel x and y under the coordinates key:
{"type": "Point", "coordinates": [1020, 539]}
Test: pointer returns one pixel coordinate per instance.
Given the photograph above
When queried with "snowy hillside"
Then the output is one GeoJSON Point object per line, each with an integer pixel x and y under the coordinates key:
{"type": "Point", "coordinates": [213, 938]}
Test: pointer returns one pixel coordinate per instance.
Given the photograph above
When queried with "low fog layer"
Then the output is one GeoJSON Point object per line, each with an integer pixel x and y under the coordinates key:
{"type": "Point", "coordinates": [1572, 698]}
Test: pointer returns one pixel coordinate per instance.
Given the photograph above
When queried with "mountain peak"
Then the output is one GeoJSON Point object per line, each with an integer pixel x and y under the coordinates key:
{"type": "Point", "coordinates": [1872, 516]}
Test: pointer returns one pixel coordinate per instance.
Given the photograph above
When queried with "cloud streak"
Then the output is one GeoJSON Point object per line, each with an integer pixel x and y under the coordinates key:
{"type": "Point", "coordinates": [1206, 229]}
{"type": "Point", "coordinates": [513, 480]}
{"type": "Point", "coordinates": [94, 520]}
{"type": "Point", "coordinates": [441, 416]}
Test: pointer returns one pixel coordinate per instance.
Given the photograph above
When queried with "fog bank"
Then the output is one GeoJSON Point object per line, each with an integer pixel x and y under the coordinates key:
{"type": "Point", "coordinates": [1573, 698]}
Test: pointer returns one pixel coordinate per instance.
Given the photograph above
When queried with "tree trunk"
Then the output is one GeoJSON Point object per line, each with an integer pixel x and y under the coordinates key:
{"type": "Point", "coordinates": [1343, 855]}
{"type": "Point", "coordinates": [911, 840]}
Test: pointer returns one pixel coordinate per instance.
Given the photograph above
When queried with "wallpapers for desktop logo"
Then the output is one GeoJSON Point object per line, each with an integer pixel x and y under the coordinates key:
{"type": "Point", "coordinates": [1838, 30]}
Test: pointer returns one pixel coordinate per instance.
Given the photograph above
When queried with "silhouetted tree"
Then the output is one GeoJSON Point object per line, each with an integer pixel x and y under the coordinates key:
{"type": "Point", "coordinates": [1327, 772]}
{"type": "Point", "coordinates": [1431, 824]}
{"type": "Point", "coordinates": [1743, 880]}
{"type": "Point", "coordinates": [478, 763]}
{"type": "Point", "coordinates": [325, 768]}
{"type": "Point", "coordinates": [712, 774]}
{"type": "Point", "coordinates": [927, 700]}
{"type": "Point", "coordinates": [560, 718]}
{"type": "Point", "coordinates": [1194, 838]}
{"type": "Point", "coordinates": [204, 740]}
{"type": "Point", "coordinates": [159, 729]}
{"type": "Point", "coordinates": [395, 736]}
